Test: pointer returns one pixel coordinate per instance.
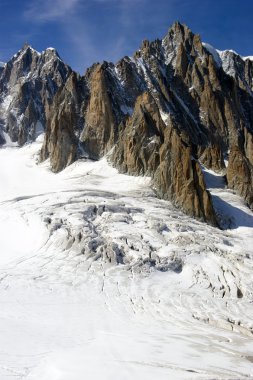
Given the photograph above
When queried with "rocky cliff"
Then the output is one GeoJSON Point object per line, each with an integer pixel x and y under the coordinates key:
{"type": "Point", "coordinates": [174, 106]}
{"type": "Point", "coordinates": [28, 84]}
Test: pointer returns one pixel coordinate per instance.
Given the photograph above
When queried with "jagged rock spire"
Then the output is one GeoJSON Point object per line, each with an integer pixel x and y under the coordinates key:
{"type": "Point", "coordinates": [163, 112]}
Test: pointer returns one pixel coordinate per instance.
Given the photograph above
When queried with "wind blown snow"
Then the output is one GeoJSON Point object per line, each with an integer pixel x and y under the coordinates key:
{"type": "Point", "coordinates": [100, 279]}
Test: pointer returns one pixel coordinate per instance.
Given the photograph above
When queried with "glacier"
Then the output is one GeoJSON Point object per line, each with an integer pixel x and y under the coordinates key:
{"type": "Point", "coordinates": [100, 279]}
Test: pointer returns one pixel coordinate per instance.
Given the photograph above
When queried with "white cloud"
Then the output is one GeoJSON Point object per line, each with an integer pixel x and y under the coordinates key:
{"type": "Point", "coordinates": [50, 10]}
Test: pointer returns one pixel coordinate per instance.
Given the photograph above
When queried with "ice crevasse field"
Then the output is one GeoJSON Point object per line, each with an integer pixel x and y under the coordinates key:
{"type": "Point", "coordinates": [99, 279]}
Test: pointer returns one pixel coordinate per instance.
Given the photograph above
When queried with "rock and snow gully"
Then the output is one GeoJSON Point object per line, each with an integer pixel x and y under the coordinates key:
{"type": "Point", "coordinates": [100, 279]}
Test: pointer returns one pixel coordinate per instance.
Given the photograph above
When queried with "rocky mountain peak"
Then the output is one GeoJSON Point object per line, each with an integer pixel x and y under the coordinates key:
{"type": "Point", "coordinates": [20, 65]}
{"type": "Point", "coordinates": [181, 39]}
{"type": "Point", "coordinates": [26, 50]}
{"type": "Point", "coordinates": [51, 53]}
{"type": "Point", "coordinates": [28, 83]}
{"type": "Point", "coordinates": [178, 33]}
{"type": "Point", "coordinates": [176, 106]}
{"type": "Point", "coordinates": [180, 30]}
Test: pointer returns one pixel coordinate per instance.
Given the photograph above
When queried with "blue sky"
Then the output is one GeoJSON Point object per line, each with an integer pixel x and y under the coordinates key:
{"type": "Point", "coordinates": [88, 31]}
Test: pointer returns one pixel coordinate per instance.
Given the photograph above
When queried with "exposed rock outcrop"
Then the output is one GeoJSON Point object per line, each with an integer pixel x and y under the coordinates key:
{"type": "Point", "coordinates": [28, 84]}
{"type": "Point", "coordinates": [61, 141]}
{"type": "Point", "coordinates": [240, 174]}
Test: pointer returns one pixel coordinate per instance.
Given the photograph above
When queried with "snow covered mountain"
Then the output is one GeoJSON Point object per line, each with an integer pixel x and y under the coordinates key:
{"type": "Point", "coordinates": [28, 84]}
{"type": "Point", "coordinates": [100, 278]}
{"type": "Point", "coordinates": [164, 112]}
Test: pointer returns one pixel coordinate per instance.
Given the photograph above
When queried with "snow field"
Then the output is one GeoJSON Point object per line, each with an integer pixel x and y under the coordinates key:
{"type": "Point", "coordinates": [98, 278]}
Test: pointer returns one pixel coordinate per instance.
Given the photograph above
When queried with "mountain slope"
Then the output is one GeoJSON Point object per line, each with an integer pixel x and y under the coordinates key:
{"type": "Point", "coordinates": [164, 112]}
{"type": "Point", "coordinates": [98, 277]}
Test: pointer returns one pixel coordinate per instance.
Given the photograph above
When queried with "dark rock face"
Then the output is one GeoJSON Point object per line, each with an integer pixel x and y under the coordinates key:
{"type": "Point", "coordinates": [28, 84]}
{"type": "Point", "coordinates": [149, 146]}
{"type": "Point", "coordinates": [171, 107]}
{"type": "Point", "coordinates": [240, 174]}
{"type": "Point", "coordinates": [63, 126]}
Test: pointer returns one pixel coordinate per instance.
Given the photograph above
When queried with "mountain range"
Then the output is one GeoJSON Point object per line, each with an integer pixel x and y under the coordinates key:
{"type": "Point", "coordinates": [174, 108]}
